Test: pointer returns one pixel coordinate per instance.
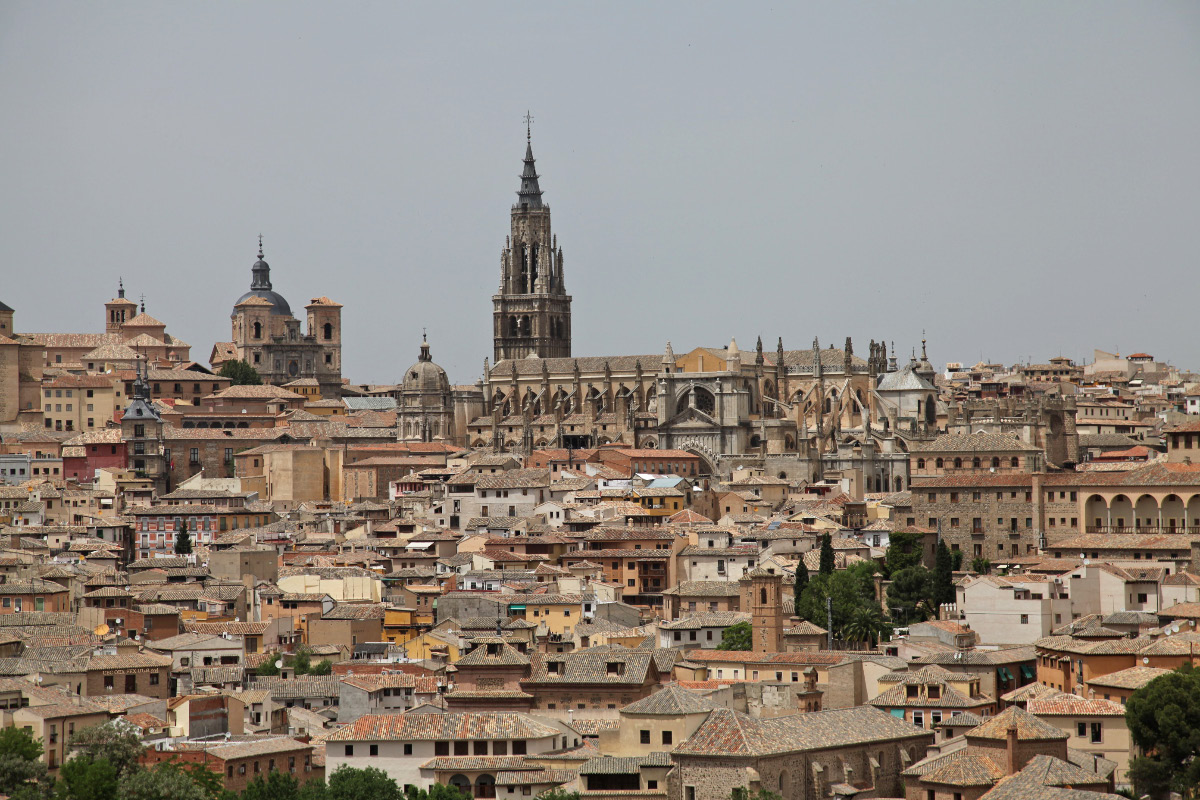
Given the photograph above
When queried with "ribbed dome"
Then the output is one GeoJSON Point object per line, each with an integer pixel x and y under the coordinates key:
{"type": "Point", "coordinates": [425, 376]}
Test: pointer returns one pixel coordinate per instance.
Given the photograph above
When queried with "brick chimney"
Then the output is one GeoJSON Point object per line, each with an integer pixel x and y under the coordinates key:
{"type": "Point", "coordinates": [1010, 751]}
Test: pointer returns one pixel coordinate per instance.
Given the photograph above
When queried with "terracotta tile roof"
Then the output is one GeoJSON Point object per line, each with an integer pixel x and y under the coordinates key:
{"type": "Point", "coordinates": [706, 619]}
{"type": "Point", "coordinates": [480, 763]}
{"type": "Point", "coordinates": [1067, 704]}
{"type": "Point", "coordinates": [1131, 678]}
{"type": "Point", "coordinates": [434, 727]}
{"type": "Point", "coordinates": [1029, 727]}
{"type": "Point", "coordinates": [730, 733]}
{"type": "Point", "coordinates": [591, 666]}
{"type": "Point", "coordinates": [669, 701]}
{"type": "Point", "coordinates": [704, 589]}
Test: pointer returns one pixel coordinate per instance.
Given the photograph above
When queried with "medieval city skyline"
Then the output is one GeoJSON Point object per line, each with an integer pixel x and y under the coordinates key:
{"type": "Point", "coordinates": [907, 175]}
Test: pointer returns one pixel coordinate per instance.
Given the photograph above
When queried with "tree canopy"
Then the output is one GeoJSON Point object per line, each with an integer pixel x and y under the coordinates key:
{"type": "Point", "coordinates": [909, 596]}
{"type": "Point", "coordinates": [904, 551]}
{"type": "Point", "coordinates": [22, 773]}
{"type": "Point", "coordinates": [1164, 719]}
{"type": "Point", "coordinates": [737, 637]}
{"type": "Point", "coordinates": [241, 373]}
{"type": "Point", "coordinates": [855, 610]}
{"type": "Point", "coordinates": [943, 576]}
{"type": "Point", "coordinates": [827, 562]}
{"type": "Point", "coordinates": [347, 783]}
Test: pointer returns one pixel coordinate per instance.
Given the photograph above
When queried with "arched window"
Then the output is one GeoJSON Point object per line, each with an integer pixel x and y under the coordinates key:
{"type": "Point", "coordinates": [257, 330]}
{"type": "Point", "coordinates": [995, 462]}
{"type": "Point", "coordinates": [920, 463]}
{"type": "Point", "coordinates": [513, 328]}
{"type": "Point", "coordinates": [1016, 462]}
{"type": "Point", "coordinates": [940, 463]}
{"type": "Point", "coordinates": [976, 463]}
{"type": "Point", "coordinates": [958, 463]}
{"type": "Point", "coordinates": [762, 596]}
{"type": "Point", "coordinates": [328, 330]}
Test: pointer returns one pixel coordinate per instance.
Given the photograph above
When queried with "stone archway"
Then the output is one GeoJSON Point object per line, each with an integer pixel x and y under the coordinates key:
{"type": "Point", "coordinates": [485, 786]}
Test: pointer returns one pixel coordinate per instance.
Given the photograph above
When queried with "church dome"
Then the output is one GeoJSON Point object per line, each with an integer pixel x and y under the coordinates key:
{"type": "Point", "coordinates": [260, 286]}
{"type": "Point", "coordinates": [425, 376]}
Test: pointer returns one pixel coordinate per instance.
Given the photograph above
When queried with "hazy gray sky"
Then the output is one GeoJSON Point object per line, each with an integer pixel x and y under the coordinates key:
{"type": "Point", "coordinates": [1020, 179]}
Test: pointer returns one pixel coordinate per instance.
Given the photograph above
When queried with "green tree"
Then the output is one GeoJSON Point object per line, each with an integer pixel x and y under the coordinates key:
{"type": "Point", "coordinates": [274, 785]}
{"type": "Point", "coordinates": [943, 575]}
{"type": "Point", "coordinates": [904, 551]}
{"type": "Point", "coordinates": [302, 660]}
{"type": "Point", "coordinates": [981, 565]}
{"type": "Point", "coordinates": [116, 742]}
{"type": "Point", "coordinates": [241, 373]}
{"type": "Point", "coordinates": [440, 791]}
{"type": "Point", "coordinates": [909, 595]}
{"type": "Point", "coordinates": [850, 589]}
{"type": "Point", "coordinates": [801, 580]}
{"type": "Point", "coordinates": [267, 668]}
{"type": "Point", "coordinates": [322, 667]}
{"type": "Point", "coordinates": [742, 793]}
{"type": "Point", "coordinates": [956, 559]}
{"type": "Point", "coordinates": [348, 783]}
{"type": "Point", "coordinates": [866, 625]}
{"type": "Point", "coordinates": [165, 781]}
{"type": "Point", "coordinates": [183, 542]}
{"type": "Point", "coordinates": [737, 637]}
{"type": "Point", "coordinates": [826, 567]}
{"type": "Point", "coordinates": [84, 778]}
{"type": "Point", "coordinates": [1164, 719]}
{"type": "Point", "coordinates": [22, 773]}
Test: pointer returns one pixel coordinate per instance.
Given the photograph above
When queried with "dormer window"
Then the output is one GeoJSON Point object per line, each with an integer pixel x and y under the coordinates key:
{"type": "Point", "coordinates": [554, 667]}
{"type": "Point", "coordinates": [615, 668]}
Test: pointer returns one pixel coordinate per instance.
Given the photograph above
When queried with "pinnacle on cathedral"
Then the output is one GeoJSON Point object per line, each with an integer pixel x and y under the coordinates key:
{"type": "Point", "coordinates": [530, 193]}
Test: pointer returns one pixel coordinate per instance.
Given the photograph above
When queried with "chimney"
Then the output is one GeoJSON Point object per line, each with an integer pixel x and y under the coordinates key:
{"type": "Point", "coordinates": [1011, 751]}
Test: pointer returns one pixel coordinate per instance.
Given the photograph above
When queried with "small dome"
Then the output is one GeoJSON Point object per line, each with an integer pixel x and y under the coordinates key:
{"type": "Point", "coordinates": [425, 376]}
{"type": "Point", "coordinates": [260, 286]}
{"type": "Point", "coordinates": [279, 306]}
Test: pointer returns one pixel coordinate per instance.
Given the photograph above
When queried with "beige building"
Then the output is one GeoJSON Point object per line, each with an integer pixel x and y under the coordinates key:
{"type": "Point", "coordinates": [1095, 726]}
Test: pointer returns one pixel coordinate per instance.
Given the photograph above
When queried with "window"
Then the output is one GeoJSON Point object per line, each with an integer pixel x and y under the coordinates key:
{"type": "Point", "coordinates": [462, 748]}
{"type": "Point", "coordinates": [666, 737]}
{"type": "Point", "coordinates": [519, 747]}
{"type": "Point", "coordinates": [645, 737]}
{"type": "Point", "coordinates": [349, 751]}
{"type": "Point", "coordinates": [1081, 729]}
{"type": "Point", "coordinates": [441, 748]}
{"type": "Point", "coordinates": [1024, 619]}
{"type": "Point", "coordinates": [374, 750]}
{"type": "Point", "coordinates": [1097, 732]}
{"type": "Point", "coordinates": [108, 681]}
{"type": "Point", "coordinates": [919, 719]}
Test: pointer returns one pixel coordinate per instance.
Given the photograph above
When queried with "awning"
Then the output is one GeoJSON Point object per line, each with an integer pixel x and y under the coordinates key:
{"type": "Point", "coordinates": [1027, 672]}
{"type": "Point", "coordinates": [1005, 675]}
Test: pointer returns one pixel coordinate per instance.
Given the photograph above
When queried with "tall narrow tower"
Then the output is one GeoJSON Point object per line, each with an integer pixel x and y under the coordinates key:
{"type": "Point", "coordinates": [532, 311]}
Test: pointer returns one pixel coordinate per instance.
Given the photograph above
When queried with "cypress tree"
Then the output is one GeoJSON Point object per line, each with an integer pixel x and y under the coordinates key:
{"type": "Point", "coordinates": [826, 555]}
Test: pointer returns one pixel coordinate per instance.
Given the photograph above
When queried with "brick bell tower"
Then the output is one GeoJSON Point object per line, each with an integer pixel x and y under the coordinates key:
{"type": "Point", "coordinates": [762, 596]}
{"type": "Point", "coordinates": [532, 312]}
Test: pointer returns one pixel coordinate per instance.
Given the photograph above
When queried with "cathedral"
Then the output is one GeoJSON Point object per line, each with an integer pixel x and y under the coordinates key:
{"type": "Point", "coordinates": [801, 414]}
{"type": "Point", "coordinates": [267, 337]}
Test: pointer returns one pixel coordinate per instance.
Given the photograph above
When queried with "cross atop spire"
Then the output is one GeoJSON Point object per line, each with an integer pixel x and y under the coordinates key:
{"type": "Point", "coordinates": [121, 287]}
{"type": "Point", "coordinates": [528, 122]}
{"type": "Point", "coordinates": [260, 252]}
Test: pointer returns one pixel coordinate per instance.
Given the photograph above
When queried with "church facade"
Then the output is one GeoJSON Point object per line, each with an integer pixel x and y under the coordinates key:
{"type": "Point", "coordinates": [269, 338]}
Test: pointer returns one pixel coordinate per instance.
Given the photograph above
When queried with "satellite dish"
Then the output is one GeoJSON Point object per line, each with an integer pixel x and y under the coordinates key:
{"type": "Point", "coordinates": [1145, 660]}
{"type": "Point", "coordinates": [279, 663]}
{"type": "Point", "coordinates": [101, 630]}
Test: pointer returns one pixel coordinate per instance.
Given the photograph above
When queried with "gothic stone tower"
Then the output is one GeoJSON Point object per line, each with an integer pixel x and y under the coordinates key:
{"type": "Point", "coordinates": [532, 312]}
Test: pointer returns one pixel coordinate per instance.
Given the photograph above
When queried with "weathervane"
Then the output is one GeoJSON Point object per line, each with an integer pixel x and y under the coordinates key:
{"type": "Point", "coordinates": [528, 122]}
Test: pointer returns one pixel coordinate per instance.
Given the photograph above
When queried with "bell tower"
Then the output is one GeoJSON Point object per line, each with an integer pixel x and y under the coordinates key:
{"type": "Point", "coordinates": [532, 311]}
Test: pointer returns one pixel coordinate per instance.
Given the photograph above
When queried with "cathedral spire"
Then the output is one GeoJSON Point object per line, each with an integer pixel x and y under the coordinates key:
{"type": "Point", "coordinates": [530, 193]}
